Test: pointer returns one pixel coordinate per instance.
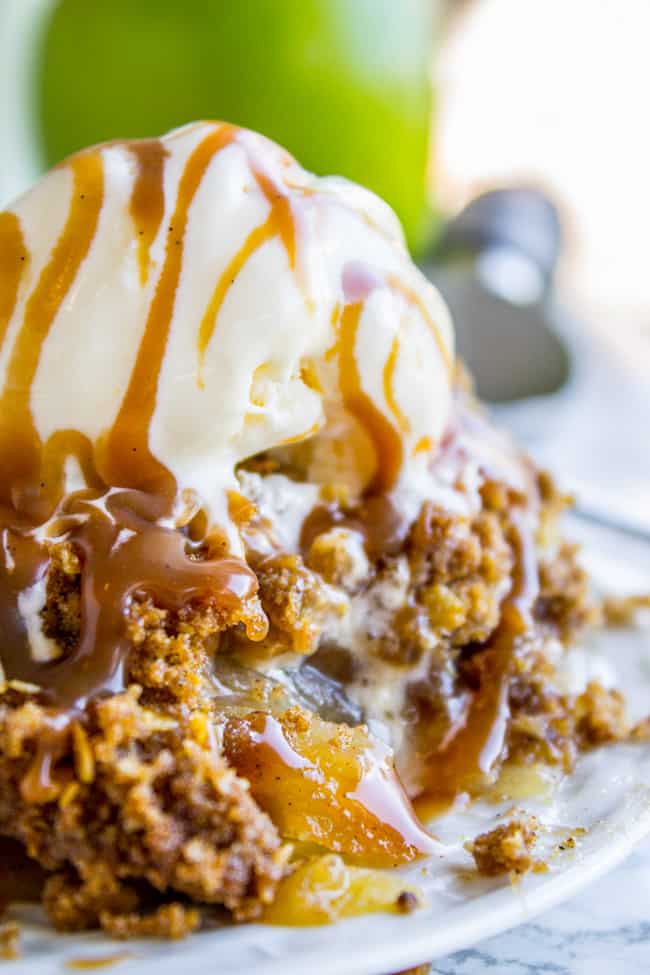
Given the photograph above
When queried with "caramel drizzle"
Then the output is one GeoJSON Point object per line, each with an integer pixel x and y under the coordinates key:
{"type": "Point", "coordinates": [38, 785]}
{"type": "Point", "coordinates": [126, 458]}
{"type": "Point", "coordinates": [474, 749]}
{"type": "Point", "coordinates": [385, 439]}
{"type": "Point", "coordinates": [376, 519]}
{"type": "Point", "coordinates": [359, 282]}
{"type": "Point", "coordinates": [148, 198]}
{"type": "Point", "coordinates": [20, 444]}
{"type": "Point", "coordinates": [279, 223]}
{"type": "Point", "coordinates": [423, 445]}
{"type": "Point", "coordinates": [13, 260]}
{"type": "Point", "coordinates": [413, 298]}
{"type": "Point", "coordinates": [389, 382]}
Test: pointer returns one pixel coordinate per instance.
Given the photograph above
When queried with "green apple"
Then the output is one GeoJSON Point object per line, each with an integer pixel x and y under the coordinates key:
{"type": "Point", "coordinates": [343, 84]}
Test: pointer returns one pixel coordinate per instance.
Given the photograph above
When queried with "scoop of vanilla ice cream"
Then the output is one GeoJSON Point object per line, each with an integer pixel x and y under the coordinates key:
{"type": "Point", "coordinates": [285, 307]}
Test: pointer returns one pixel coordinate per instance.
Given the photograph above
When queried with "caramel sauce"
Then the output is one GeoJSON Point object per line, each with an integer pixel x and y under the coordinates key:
{"type": "Point", "coordinates": [126, 460]}
{"type": "Point", "coordinates": [344, 796]}
{"type": "Point", "coordinates": [253, 242]}
{"type": "Point", "coordinates": [376, 519]}
{"type": "Point", "coordinates": [13, 264]}
{"type": "Point", "coordinates": [423, 445]}
{"type": "Point", "coordinates": [20, 446]}
{"type": "Point", "coordinates": [389, 374]}
{"type": "Point", "coordinates": [122, 552]}
{"type": "Point", "coordinates": [147, 200]}
{"type": "Point", "coordinates": [399, 286]}
{"type": "Point", "coordinates": [39, 785]}
{"type": "Point", "coordinates": [469, 755]}
{"type": "Point", "coordinates": [279, 223]}
{"type": "Point", "coordinates": [386, 441]}
{"type": "Point", "coordinates": [358, 283]}
{"type": "Point", "coordinates": [101, 961]}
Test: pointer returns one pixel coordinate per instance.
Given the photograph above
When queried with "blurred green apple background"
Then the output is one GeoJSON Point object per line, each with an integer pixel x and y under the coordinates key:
{"type": "Point", "coordinates": [343, 84]}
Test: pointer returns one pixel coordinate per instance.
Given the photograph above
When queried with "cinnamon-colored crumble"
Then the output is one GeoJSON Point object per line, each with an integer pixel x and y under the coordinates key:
{"type": "Point", "coordinates": [507, 849]}
{"type": "Point", "coordinates": [171, 921]}
{"type": "Point", "coordinates": [600, 714]}
{"type": "Point", "coordinates": [133, 799]}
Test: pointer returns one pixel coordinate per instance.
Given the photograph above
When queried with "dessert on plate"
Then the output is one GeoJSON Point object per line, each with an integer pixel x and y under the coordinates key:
{"type": "Point", "coordinates": [268, 574]}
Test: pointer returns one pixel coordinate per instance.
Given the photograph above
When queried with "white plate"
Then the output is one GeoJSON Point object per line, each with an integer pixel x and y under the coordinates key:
{"type": "Point", "coordinates": [608, 796]}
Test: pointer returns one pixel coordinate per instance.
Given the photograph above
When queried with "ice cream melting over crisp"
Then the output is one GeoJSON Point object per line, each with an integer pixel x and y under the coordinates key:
{"type": "Point", "coordinates": [168, 309]}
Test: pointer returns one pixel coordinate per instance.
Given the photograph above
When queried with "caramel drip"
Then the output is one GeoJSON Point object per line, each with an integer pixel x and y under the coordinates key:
{"type": "Point", "coordinates": [13, 260]}
{"type": "Point", "coordinates": [475, 748]}
{"type": "Point", "coordinates": [39, 786]}
{"type": "Point", "coordinates": [60, 447]}
{"type": "Point", "coordinates": [279, 223]}
{"type": "Point", "coordinates": [423, 445]}
{"type": "Point", "coordinates": [126, 458]}
{"type": "Point", "coordinates": [397, 285]}
{"type": "Point", "coordinates": [376, 519]}
{"type": "Point", "coordinates": [105, 961]}
{"type": "Point", "coordinates": [20, 445]}
{"type": "Point", "coordinates": [314, 428]}
{"type": "Point", "coordinates": [281, 215]}
{"type": "Point", "coordinates": [122, 552]}
{"type": "Point", "coordinates": [389, 379]}
{"type": "Point", "coordinates": [253, 242]}
{"type": "Point", "coordinates": [386, 441]}
{"type": "Point", "coordinates": [148, 199]}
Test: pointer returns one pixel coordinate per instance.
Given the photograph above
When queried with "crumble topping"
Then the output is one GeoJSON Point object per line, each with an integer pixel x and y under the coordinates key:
{"type": "Point", "coordinates": [161, 793]}
{"type": "Point", "coordinates": [132, 798]}
{"type": "Point", "coordinates": [507, 849]}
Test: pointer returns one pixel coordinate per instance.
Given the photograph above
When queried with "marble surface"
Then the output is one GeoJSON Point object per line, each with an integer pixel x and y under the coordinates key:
{"type": "Point", "coordinates": [604, 931]}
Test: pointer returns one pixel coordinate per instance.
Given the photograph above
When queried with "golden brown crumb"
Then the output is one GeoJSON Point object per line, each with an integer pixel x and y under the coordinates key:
{"type": "Point", "coordinates": [507, 849]}
{"type": "Point", "coordinates": [338, 556]}
{"type": "Point", "coordinates": [162, 807]}
{"type": "Point", "coordinates": [625, 610]}
{"type": "Point", "coordinates": [171, 921]}
{"type": "Point", "coordinates": [564, 602]}
{"type": "Point", "coordinates": [75, 901]}
{"type": "Point", "coordinates": [600, 715]}
{"type": "Point", "coordinates": [295, 602]}
{"type": "Point", "coordinates": [9, 941]}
